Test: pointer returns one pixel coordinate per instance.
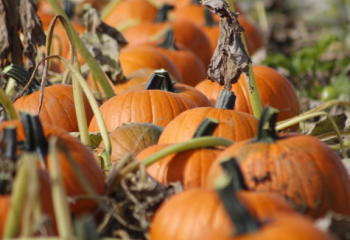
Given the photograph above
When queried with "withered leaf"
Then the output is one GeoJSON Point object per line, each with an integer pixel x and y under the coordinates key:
{"type": "Point", "coordinates": [335, 223]}
{"type": "Point", "coordinates": [230, 58]}
{"type": "Point", "coordinates": [104, 43]}
{"type": "Point", "coordinates": [326, 126]}
{"type": "Point", "coordinates": [16, 15]}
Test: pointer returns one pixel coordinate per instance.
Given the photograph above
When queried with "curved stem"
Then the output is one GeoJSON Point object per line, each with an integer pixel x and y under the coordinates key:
{"type": "Point", "coordinates": [94, 67]}
{"type": "Point", "coordinates": [252, 87]}
{"type": "Point", "coordinates": [311, 115]}
{"type": "Point", "coordinates": [5, 101]}
{"type": "Point", "coordinates": [200, 142]}
{"type": "Point", "coordinates": [93, 104]}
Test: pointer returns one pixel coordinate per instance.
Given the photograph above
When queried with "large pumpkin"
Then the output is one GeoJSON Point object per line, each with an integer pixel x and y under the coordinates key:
{"type": "Point", "coordinates": [152, 106]}
{"type": "Point", "coordinates": [84, 159]}
{"type": "Point", "coordinates": [301, 168]}
{"type": "Point", "coordinates": [234, 125]}
{"type": "Point", "coordinates": [274, 89]}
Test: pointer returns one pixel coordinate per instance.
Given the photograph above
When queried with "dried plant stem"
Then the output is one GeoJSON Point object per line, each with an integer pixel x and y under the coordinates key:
{"type": "Point", "coordinates": [311, 115]}
{"type": "Point", "coordinates": [252, 87]}
{"type": "Point", "coordinates": [5, 101]}
{"type": "Point", "coordinates": [64, 223]}
{"type": "Point", "coordinates": [93, 103]}
{"type": "Point", "coordinates": [338, 146]}
{"type": "Point", "coordinates": [18, 197]}
{"type": "Point", "coordinates": [194, 143]}
{"type": "Point", "coordinates": [94, 67]}
{"type": "Point", "coordinates": [260, 8]}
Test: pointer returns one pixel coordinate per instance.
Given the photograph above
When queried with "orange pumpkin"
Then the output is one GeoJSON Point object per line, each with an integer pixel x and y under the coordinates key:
{"type": "Point", "coordinates": [301, 168]}
{"type": "Point", "coordinates": [79, 153]}
{"type": "Point", "coordinates": [153, 106]}
{"type": "Point", "coordinates": [234, 125]}
{"type": "Point", "coordinates": [274, 89]}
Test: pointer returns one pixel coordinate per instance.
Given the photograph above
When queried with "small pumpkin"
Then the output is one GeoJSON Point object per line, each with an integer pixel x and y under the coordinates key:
{"type": "Point", "coordinates": [182, 89]}
{"type": "Point", "coordinates": [301, 168]}
{"type": "Point", "coordinates": [189, 214]}
{"type": "Point", "coordinates": [131, 138]}
{"type": "Point", "coordinates": [275, 90]}
{"type": "Point", "coordinates": [152, 106]}
{"type": "Point", "coordinates": [234, 125]}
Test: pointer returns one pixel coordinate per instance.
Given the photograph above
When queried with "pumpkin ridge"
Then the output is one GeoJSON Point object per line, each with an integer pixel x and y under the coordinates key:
{"type": "Point", "coordinates": [63, 108]}
{"type": "Point", "coordinates": [243, 87]}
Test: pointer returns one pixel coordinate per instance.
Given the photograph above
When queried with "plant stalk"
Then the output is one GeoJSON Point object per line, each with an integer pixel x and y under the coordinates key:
{"type": "Point", "coordinates": [252, 87]}
{"type": "Point", "coordinates": [200, 142]}
{"type": "Point", "coordinates": [94, 67]}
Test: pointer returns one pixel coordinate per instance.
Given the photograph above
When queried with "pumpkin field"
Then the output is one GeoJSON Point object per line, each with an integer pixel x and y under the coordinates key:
{"type": "Point", "coordinates": [174, 119]}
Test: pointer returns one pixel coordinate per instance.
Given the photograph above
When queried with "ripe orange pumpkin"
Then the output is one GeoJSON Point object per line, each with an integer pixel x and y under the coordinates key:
{"type": "Point", "coordinates": [83, 158]}
{"type": "Point", "coordinates": [184, 59]}
{"type": "Point", "coordinates": [153, 106]}
{"type": "Point", "coordinates": [182, 89]}
{"type": "Point", "coordinates": [274, 89]}
{"type": "Point", "coordinates": [234, 125]}
{"type": "Point", "coordinates": [131, 138]}
{"type": "Point", "coordinates": [301, 168]}
{"type": "Point", "coordinates": [189, 214]}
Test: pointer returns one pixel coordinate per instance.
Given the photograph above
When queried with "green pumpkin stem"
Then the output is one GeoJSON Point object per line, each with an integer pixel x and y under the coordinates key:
{"type": "Point", "coordinates": [154, 82]}
{"type": "Point", "coordinates": [10, 139]}
{"type": "Point", "coordinates": [209, 20]}
{"type": "Point", "coordinates": [35, 138]}
{"type": "Point", "coordinates": [266, 129]}
{"type": "Point", "coordinates": [206, 128]}
{"type": "Point", "coordinates": [226, 100]}
{"type": "Point", "coordinates": [169, 40]}
{"type": "Point", "coordinates": [23, 77]}
{"type": "Point", "coordinates": [163, 12]}
{"type": "Point", "coordinates": [234, 182]}
{"type": "Point", "coordinates": [167, 84]}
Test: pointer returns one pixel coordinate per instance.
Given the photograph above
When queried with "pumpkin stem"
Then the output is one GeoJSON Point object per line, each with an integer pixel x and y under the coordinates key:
{"type": "Point", "coordinates": [169, 41]}
{"type": "Point", "coordinates": [68, 8]}
{"type": "Point", "coordinates": [266, 130]}
{"type": "Point", "coordinates": [226, 100]}
{"type": "Point", "coordinates": [206, 128]}
{"type": "Point", "coordinates": [8, 167]}
{"type": "Point", "coordinates": [167, 84]}
{"type": "Point", "coordinates": [35, 138]}
{"type": "Point", "coordinates": [209, 20]}
{"type": "Point", "coordinates": [154, 82]}
{"type": "Point", "coordinates": [163, 12]}
{"type": "Point", "coordinates": [234, 182]}
{"type": "Point", "coordinates": [23, 77]}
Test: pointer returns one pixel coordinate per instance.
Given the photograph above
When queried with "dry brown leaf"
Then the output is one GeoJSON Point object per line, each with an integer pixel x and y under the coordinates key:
{"type": "Point", "coordinates": [230, 58]}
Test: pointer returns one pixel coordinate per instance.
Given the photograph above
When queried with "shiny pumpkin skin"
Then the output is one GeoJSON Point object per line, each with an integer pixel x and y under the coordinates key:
{"type": "Point", "coordinates": [189, 167]}
{"type": "Point", "coordinates": [274, 89]}
{"type": "Point", "coordinates": [139, 57]}
{"type": "Point", "coordinates": [282, 226]}
{"type": "Point", "coordinates": [131, 10]}
{"type": "Point", "coordinates": [233, 125]}
{"type": "Point", "coordinates": [302, 169]}
{"type": "Point", "coordinates": [186, 215]}
{"type": "Point", "coordinates": [131, 138]}
{"type": "Point", "coordinates": [186, 91]}
{"type": "Point", "coordinates": [186, 33]}
{"type": "Point", "coordinates": [58, 107]}
{"type": "Point", "coordinates": [45, 199]}
{"type": "Point", "coordinates": [84, 159]}
{"type": "Point", "coordinates": [153, 106]}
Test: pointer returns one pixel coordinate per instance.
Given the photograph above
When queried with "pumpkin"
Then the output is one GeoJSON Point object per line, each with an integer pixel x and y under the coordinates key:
{"type": "Point", "coordinates": [190, 66]}
{"type": "Point", "coordinates": [140, 57]}
{"type": "Point", "coordinates": [126, 10]}
{"type": "Point", "coordinates": [234, 125]}
{"type": "Point", "coordinates": [131, 138]}
{"type": "Point", "coordinates": [182, 89]}
{"type": "Point", "coordinates": [83, 157]}
{"type": "Point", "coordinates": [153, 106]}
{"type": "Point", "coordinates": [58, 107]}
{"type": "Point", "coordinates": [301, 168]}
{"type": "Point", "coordinates": [274, 89]}
{"type": "Point", "coordinates": [188, 214]}
{"type": "Point", "coordinates": [186, 34]}
{"type": "Point", "coordinates": [189, 167]}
